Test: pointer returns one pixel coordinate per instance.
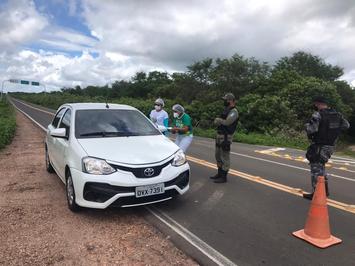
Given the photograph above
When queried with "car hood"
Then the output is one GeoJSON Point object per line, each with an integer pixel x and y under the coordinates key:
{"type": "Point", "coordinates": [130, 150]}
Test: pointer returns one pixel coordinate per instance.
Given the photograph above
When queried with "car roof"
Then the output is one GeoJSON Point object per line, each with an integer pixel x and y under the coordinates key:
{"type": "Point", "coordinates": [98, 106]}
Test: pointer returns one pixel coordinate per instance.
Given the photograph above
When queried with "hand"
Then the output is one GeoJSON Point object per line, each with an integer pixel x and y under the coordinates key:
{"type": "Point", "coordinates": [174, 130]}
{"type": "Point", "coordinates": [218, 121]}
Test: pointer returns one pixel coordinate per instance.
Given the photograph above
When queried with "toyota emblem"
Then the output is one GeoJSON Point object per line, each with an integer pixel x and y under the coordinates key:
{"type": "Point", "coordinates": [148, 172]}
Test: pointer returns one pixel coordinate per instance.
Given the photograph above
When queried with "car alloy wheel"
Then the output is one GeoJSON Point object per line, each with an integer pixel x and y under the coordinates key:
{"type": "Point", "coordinates": [71, 194]}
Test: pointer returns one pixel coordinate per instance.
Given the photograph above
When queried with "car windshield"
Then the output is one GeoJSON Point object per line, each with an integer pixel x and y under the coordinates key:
{"type": "Point", "coordinates": [112, 123]}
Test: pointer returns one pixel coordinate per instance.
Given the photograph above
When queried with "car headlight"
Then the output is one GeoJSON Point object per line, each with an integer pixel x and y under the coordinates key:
{"type": "Point", "coordinates": [179, 159]}
{"type": "Point", "coordinates": [97, 166]}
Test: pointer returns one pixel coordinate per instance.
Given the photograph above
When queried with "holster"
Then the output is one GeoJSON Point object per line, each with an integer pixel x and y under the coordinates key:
{"type": "Point", "coordinates": [226, 144]}
{"type": "Point", "coordinates": [315, 154]}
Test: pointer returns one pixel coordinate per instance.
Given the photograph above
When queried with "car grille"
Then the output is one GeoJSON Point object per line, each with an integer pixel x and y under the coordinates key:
{"type": "Point", "coordinates": [100, 192]}
{"type": "Point", "coordinates": [139, 172]}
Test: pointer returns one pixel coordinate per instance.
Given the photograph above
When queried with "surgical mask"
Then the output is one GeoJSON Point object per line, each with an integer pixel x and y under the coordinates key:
{"type": "Point", "coordinates": [157, 107]}
{"type": "Point", "coordinates": [226, 103]}
{"type": "Point", "coordinates": [176, 115]}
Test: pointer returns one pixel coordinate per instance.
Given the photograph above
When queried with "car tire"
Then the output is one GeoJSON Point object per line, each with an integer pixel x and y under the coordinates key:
{"type": "Point", "coordinates": [49, 166]}
{"type": "Point", "coordinates": [69, 188]}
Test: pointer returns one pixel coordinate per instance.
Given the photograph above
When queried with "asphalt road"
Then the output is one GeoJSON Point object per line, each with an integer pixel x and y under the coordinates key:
{"type": "Point", "coordinates": [250, 222]}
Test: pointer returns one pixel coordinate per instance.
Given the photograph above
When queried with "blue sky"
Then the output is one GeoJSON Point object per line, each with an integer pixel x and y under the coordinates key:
{"type": "Point", "coordinates": [64, 43]}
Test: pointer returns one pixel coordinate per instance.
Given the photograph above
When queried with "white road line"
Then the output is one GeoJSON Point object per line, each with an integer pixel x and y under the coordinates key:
{"type": "Point", "coordinates": [202, 246]}
{"type": "Point", "coordinates": [29, 117]}
{"type": "Point", "coordinates": [35, 108]}
{"type": "Point", "coordinates": [283, 164]}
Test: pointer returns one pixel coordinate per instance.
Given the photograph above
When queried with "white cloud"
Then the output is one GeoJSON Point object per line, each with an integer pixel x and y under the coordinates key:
{"type": "Point", "coordinates": [130, 36]}
{"type": "Point", "coordinates": [20, 23]}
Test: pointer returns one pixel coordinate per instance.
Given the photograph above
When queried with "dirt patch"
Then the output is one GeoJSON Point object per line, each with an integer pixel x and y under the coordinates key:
{"type": "Point", "coordinates": [36, 228]}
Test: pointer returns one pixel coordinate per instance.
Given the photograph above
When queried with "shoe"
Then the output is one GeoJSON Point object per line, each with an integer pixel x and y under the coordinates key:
{"type": "Point", "coordinates": [222, 178]}
{"type": "Point", "coordinates": [216, 176]}
{"type": "Point", "coordinates": [326, 189]}
{"type": "Point", "coordinates": [308, 196]}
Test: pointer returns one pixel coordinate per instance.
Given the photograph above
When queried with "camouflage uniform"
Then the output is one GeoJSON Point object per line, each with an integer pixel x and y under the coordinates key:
{"type": "Point", "coordinates": [222, 153]}
{"type": "Point", "coordinates": [226, 126]}
{"type": "Point", "coordinates": [318, 153]}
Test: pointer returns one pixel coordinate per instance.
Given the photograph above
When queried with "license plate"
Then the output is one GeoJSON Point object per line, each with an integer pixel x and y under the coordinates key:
{"type": "Point", "coordinates": [145, 191]}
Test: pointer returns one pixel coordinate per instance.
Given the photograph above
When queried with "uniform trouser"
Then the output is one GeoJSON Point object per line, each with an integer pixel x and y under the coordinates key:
{"type": "Point", "coordinates": [318, 157]}
{"type": "Point", "coordinates": [222, 156]}
{"type": "Point", "coordinates": [317, 169]}
{"type": "Point", "coordinates": [183, 142]}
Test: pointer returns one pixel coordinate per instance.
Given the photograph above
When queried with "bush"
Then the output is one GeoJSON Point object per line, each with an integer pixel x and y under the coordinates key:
{"type": "Point", "coordinates": [7, 123]}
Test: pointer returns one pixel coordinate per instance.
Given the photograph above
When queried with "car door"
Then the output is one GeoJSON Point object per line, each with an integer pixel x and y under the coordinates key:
{"type": "Point", "coordinates": [51, 141]}
{"type": "Point", "coordinates": [62, 144]}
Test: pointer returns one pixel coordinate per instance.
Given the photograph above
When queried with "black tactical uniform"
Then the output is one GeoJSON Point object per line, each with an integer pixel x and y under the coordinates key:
{"type": "Point", "coordinates": [323, 130]}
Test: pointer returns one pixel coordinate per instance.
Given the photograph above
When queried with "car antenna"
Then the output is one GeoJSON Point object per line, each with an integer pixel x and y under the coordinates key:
{"type": "Point", "coordinates": [107, 106]}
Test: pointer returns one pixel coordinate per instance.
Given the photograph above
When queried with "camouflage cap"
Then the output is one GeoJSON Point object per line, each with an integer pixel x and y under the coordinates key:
{"type": "Point", "coordinates": [229, 97]}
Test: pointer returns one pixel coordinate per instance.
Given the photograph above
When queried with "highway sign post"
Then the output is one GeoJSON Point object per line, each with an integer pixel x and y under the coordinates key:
{"type": "Point", "coordinates": [22, 82]}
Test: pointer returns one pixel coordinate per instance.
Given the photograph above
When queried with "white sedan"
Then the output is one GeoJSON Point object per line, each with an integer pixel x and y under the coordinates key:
{"type": "Point", "coordinates": [112, 155]}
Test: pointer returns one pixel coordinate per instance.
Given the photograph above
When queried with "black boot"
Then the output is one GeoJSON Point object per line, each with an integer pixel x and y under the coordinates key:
{"type": "Point", "coordinates": [308, 196]}
{"type": "Point", "coordinates": [218, 175]}
{"type": "Point", "coordinates": [222, 178]}
{"type": "Point", "coordinates": [326, 188]}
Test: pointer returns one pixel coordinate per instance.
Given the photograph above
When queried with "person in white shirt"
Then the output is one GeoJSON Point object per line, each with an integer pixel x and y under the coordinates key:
{"type": "Point", "coordinates": [159, 116]}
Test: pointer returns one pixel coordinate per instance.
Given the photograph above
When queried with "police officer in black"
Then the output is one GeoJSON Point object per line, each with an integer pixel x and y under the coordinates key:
{"type": "Point", "coordinates": [226, 126]}
{"type": "Point", "coordinates": [323, 130]}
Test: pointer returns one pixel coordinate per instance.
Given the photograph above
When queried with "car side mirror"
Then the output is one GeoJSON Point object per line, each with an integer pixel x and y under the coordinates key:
{"type": "Point", "coordinates": [161, 128]}
{"type": "Point", "coordinates": [59, 133]}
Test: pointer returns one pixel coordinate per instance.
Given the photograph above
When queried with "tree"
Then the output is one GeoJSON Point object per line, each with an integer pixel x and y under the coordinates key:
{"type": "Point", "coordinates": [301, 92]}
{"type": "Point", "coordinates": [309, 65]}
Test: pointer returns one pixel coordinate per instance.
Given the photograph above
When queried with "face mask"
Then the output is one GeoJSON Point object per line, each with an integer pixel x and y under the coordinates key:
{"type": "Point", "coordinates": [226, 103]}
{"type": "Point", "coordinates": [176, 115]}
{"type": "Point", "coordinates": [315, 108]}
{"type": "Point", "coordinates": [157, 107]}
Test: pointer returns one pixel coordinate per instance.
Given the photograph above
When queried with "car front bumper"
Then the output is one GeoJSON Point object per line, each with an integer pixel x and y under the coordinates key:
{"type": "Point", "coordinates": [118, 189]}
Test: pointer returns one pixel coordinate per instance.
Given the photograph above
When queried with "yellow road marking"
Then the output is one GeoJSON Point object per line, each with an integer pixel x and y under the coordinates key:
{"type": "Point", "coordinates": [278, 186]}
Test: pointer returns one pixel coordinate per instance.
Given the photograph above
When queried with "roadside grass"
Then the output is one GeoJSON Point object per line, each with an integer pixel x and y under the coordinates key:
{"type": "Point", "coordinates": [7, 123]}
{"type": "Point", "coordinates": [259, 139]}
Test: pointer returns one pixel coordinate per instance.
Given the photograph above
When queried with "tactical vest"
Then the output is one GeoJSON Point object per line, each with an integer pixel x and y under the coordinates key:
{"type": "Point", "coordinates": [329, 127]}
{"type": "Point", "coordinates": [227, 130]}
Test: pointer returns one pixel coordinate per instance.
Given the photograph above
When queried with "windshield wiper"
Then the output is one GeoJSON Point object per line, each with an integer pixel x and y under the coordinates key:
{"type": "Point", "coordinates": [103, 134]}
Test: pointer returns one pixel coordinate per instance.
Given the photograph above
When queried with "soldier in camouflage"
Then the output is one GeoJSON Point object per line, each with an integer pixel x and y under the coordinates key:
{"type": "Point", "coordinates": [323, 130]}
{"type": "Point", "coordinates": [226, 126]}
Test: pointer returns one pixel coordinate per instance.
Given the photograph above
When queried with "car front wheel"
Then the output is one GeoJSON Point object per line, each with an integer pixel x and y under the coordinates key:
{"type": "Point", "coordinates": [71, 194]}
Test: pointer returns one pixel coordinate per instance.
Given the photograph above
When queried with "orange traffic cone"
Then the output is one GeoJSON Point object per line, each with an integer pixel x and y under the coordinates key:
{"type": "Point", "coordinates": [317, 229]}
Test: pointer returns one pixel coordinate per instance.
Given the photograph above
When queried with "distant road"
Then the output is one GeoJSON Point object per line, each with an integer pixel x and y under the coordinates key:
{"type": "Point", "coordinates": [249, 220]}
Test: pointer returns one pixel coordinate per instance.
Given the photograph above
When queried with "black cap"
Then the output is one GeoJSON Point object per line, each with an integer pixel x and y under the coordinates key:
{"type": "Point", "coordinates": [229, 97]}
{"type": "Point", "coordinates": [320, 99]}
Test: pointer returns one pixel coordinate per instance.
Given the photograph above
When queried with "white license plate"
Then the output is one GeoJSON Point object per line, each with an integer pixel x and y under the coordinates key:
{"type": "Point", "coordinates": [145, 191]}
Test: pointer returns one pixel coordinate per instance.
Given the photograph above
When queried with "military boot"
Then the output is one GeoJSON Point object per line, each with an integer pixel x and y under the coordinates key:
{"type": "Point", "coordinates": [218, 175]}
{"type": "Point", "coordinates": [326, 188]}
{"type": "Point", "coordinates": [222, 178]}
{"type": "Point", "coordinates": [308, 196]}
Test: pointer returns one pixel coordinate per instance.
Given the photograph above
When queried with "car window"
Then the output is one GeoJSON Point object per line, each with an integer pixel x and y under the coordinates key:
{"type": "Point", "coordinates": [57, 117]}
{"type": "Point", "coordinates": [65, 123]}
{"type": "Point", "coordinates": [112, 123]}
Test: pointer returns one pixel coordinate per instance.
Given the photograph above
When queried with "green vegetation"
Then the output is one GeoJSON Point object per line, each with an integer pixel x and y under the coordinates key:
{"type": "Point", "coordinates": [274, 101]}
{"type": "Point", "coordinates": [7, 123]}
